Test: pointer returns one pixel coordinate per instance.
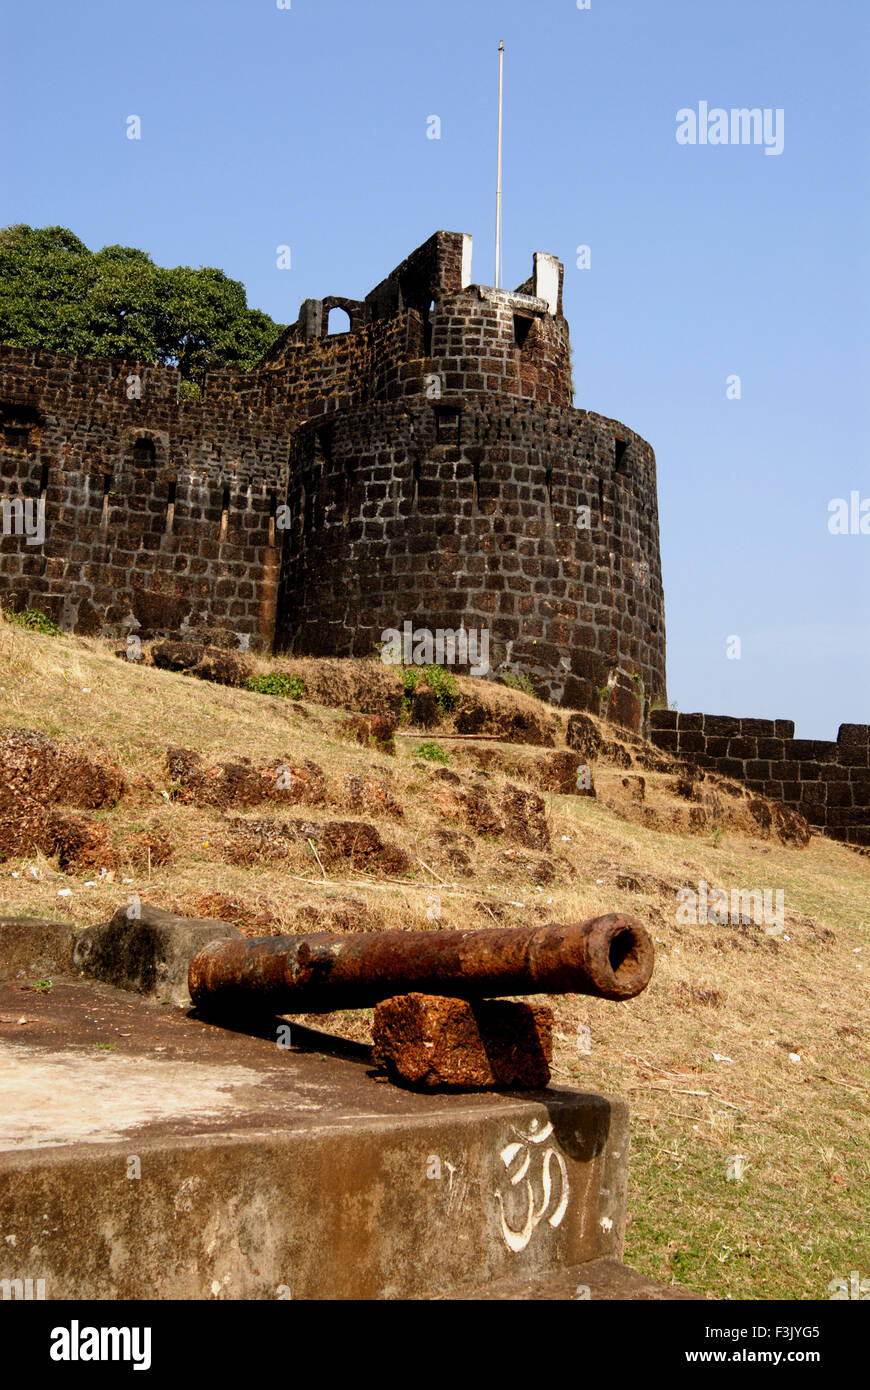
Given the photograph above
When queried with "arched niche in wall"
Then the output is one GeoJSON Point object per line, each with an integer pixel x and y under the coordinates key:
{"type": "Point", "coordinates": [352, 317]}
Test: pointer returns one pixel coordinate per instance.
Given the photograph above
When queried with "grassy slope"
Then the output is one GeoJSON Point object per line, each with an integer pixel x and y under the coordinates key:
{"type": "Point", "coordinates": [799, 1217]}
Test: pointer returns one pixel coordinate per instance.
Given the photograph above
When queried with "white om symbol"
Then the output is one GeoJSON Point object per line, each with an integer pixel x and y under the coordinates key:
{"type": "Point", "coordinates": [518, 1240]}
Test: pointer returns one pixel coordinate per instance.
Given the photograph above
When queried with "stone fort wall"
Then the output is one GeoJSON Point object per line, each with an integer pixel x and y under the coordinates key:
{"type": "Point", "coordinates": [426, 465]}
{"type": "Point", "coordinates": [158, 515]}
{"type": "Point", "coordinates": [829, 783]}
{"type": "Point", "coordinates": [447, 514]}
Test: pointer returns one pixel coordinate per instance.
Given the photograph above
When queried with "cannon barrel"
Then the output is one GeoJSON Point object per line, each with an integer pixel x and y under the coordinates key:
{"type": "Point", "coordinates": [611, 957]}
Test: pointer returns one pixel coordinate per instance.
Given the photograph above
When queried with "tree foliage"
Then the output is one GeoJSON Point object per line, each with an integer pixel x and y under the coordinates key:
{"type": "Point", "coordinates": [56, 294]}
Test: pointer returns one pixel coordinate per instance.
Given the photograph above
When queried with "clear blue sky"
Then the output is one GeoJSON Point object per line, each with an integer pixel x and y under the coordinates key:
{"type": "Point", "coordinates": [307, 127]}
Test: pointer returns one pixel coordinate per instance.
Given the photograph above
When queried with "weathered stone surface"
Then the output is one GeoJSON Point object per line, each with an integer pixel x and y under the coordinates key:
{"type": "Point", "coordinates": [31, 948]}
{"type": "Point", "coordinates": [264, 1167]}
{"type": "Point", "coordinates": [145, 849]}
{"type": "Point", "coordinates": [24, 826]}
{"type": "Point", "coordinates": [519, 815]}
{"type": "Point", "coordinates": [813, 779]}
{"type": "Point", "coordinates": [557, 772]}
{"type": "Point", "coordinates": [453, 849]}
{"type": "Point", "coordinates": [500, 714]}
{"type": "Point", "coordinates": [207, 663]}
{"type": "Point", "coordinates": [241, 783]}
{"type": "Point", "coordinates": [356, 844]}
{"type": "Point", "coordinates": [372, 794]}
{"type": "Point", "coordinates": [79, 842]}
{"type": "Point", "coordinates": [525, 817]}
{"type": "Point", "coordinates": [582, 734]}
{"type": "Point", "coordinates": [146, 950]}
{"type": "Point", "coordinates": [471, 806]}
{"type": "Point", "coordinates": [598, 1281]}
{"type": "Point", "coordinates": [624, 703]}
{"type": "Point", "coordinates": [36, 766]}
{"type": "Point", "coordinates": [425, 713]}
{"type": "Point", "coordinates": [431, 1041]}
{"type": "Point", "coordinates": [374, 732]}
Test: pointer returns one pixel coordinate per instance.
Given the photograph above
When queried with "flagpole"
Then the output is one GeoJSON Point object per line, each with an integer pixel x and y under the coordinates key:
{"type": "Point", "coordinates": [498, 177]}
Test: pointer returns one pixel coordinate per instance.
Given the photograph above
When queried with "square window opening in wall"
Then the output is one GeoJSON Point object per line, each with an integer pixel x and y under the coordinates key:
{"type": "Point", "coordinates": [619, 451]}
{"type": "Point", "coordinates": [448, 422]}
{"type": "Point", "coordinates": [144, 452]}
{"type": "Point", "coordinates": [522, 329]}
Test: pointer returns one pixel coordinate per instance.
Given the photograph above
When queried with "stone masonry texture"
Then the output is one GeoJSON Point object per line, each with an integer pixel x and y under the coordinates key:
{"type": "Point", "coordinates": [427, 466]}
{"type": "Point", "coordinates": [829, 783]}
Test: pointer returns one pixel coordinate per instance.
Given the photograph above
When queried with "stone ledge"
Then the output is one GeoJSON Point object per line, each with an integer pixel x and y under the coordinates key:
{"type": "Point", "coordinates": [146, 950]}
{"type": "Point", "coordinates": [605, 1280]}
{"type": "Point", "coordinates": [35, 948]}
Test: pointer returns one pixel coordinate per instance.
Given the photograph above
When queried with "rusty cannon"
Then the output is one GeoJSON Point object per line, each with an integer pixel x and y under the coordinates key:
{"type": "Point", "coordinates": [610, 957]}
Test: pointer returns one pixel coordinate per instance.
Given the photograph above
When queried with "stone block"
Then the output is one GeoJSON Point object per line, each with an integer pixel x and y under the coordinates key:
{"type": "Point", "coordinates": [854, 735]}
{"type": "Point", "coordinates": [321, 1184]}
{"type": "Point", "coordinates": [691, 742]}
{"type": "Point", "coordinates": [666, 739]}
{"type": "Point", "coordinates": [431, 1041]}
{"type": "Point", "coordinates": [146, 950]}
{"type": "Point", "coordinates": [742, 747]}
{"type": "Point", "coordinates": [33, 949]}
{"type": "Point", "coordinates": [721, 724]}
{"type": "Point", "coordinates": [813, 749]}
{"type": "Point", "coordinates": [663, 719]}
{"type": "Point", "coordinates": [758, 728]}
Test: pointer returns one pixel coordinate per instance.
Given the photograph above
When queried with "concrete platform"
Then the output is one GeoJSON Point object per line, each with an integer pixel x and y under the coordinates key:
{"type": "Point", "coordinates": [147, 1154]}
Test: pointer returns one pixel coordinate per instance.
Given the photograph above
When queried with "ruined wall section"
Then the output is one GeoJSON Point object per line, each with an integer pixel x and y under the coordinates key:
{"type": "Point", "coordinates": [380, 361]}
{"type": "Point", "coordinates": [159, 515]}
{"type": "Point", "coordinates": [496, 341]}
{"type": "Point", "coordinates": [829, 783]}
{"type": "Point", "coordinates": [464, 511]}
{"type": "Point", "coordinates": [421, 322]}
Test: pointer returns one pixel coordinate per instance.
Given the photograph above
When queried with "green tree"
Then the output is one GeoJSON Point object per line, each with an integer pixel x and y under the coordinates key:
{"type": "Point", "coordinates": [203, 320]}
{"type": "Point", "coordinates": [45, 276]}
{"type": "Point", "coordinates": [56, 294]}
{"type": "Point", "coordinates": [120, 307]}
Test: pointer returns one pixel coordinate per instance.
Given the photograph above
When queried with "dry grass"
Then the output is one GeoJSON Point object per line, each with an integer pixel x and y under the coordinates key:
{"type": "Point", "coordinates": [798, 1217]}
